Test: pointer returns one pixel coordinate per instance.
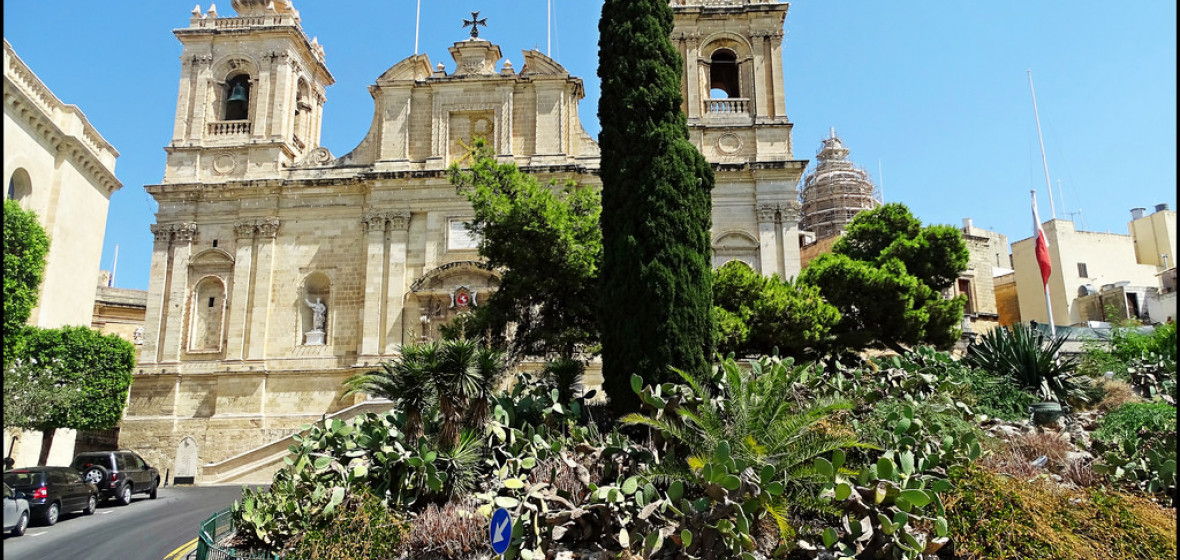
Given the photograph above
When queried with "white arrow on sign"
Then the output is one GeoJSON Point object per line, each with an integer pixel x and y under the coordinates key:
{"type": "Point", "coordinates": [501, 531]}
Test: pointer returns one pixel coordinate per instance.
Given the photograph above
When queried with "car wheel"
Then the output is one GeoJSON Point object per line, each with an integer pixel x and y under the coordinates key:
{"type": "Point", "coordinates": [155, 488]}
{"type": "Point", "coordinates": [96, 474]}
{"type": "Point", "coordinates": [125, 495]}
{"type": "Point", "coordinates": [91, 505]}
{"type": "Point", "coordinates": [21, 524]}
{"type": "Point", "coordinates": [51, 514]}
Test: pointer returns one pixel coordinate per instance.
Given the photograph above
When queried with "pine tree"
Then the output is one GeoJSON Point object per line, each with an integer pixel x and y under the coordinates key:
{"type": "Point", "coordinates": [656, 294]}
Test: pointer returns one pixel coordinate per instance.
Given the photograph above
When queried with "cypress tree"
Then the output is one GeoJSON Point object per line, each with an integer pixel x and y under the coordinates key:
{"type": "Point", "coordinates": [656, 307]}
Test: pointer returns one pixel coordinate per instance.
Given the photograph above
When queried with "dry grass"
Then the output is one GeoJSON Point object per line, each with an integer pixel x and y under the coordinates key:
{"type": "Point", "coordinates": [1117, 393]}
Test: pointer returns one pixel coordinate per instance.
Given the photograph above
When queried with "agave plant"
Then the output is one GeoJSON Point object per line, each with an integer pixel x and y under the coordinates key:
{"type": "Point", "coordinates": [1030, 358]}
{"type": "Point", "coordinates": [747, 409]}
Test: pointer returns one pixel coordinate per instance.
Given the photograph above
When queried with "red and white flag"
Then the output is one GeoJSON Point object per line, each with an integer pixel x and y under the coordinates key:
{"type": "Point", "coordinates": [1042, 250]}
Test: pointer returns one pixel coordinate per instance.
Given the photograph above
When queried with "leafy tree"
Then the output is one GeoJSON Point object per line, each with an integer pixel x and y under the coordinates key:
{"type": "Point", "coordinates": [548, 243]}
{"type": "Point", "coordinates": [656, 299]}
{"type": "Point", "coordinates": [95, 367]}
{"type": "Point", "coordinates": [756, 314]}
{"type": "Point", "coordinates": [886, 275]}
{"type": "Point", "coordinates": [25, 248]}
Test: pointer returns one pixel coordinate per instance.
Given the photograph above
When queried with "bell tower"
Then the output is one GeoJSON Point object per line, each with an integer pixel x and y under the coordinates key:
{"type": "Point", "coordinates": [736, 107]}
{"type": "Point", "coordinates": [251, 94]}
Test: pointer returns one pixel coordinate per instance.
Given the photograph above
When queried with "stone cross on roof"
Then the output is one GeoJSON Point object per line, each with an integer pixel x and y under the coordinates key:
{"type": "Point", "coordinates": [475, 22]}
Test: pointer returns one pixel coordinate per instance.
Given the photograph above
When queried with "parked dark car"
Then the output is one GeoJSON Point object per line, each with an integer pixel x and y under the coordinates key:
{"type": "Point", "coordinates": [118, 474]}
{"type": "Point", "coordinates": [52, 491]}
{"type": "Point", "coordinates": [16, 512]}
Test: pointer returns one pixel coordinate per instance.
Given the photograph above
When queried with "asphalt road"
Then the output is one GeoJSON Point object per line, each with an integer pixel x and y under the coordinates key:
{"type": "Point", "coordinates": [145, 530]}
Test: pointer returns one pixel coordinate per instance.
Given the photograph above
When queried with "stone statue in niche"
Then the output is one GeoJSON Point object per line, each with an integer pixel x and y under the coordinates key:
{"type": "Point", "coordinates": [137, 336]}
{"type": "Point", "coordinates": [319, 312]}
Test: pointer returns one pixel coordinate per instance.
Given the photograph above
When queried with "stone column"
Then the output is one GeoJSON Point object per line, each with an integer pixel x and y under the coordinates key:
{"type": "Point", "coordinates": [768, 252]}
{"type": "Point", "coordinates": [157, 300]}
{"type": "Point", "coordinates": [238, 322]}
{"type": "Point", "coordinates": [776, 76]}
{"type": "Point", "coordinates": [789, 226]}
{"type": "Point", "coordinates": [261, 289]}
{"type": "Point", "coordinates": [173, 341]}
{"type": "Point", "coordinates": [375, 271]}
{"type": "Point", "coordinates": [693, 68]}
{"type": "Point", "coordinates": [759, 50]}
{"type": "Point", "coordinates": [395, 295]}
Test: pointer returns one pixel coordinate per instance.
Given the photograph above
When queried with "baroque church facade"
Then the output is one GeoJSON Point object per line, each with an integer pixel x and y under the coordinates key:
{"type": "Point", "coordinates": [280, 269]}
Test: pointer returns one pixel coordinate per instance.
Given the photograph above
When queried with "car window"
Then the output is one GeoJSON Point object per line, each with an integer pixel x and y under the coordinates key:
{"type": "Point", "coordinates": [83, 461]}
{"type": "Point", "coordinates": [137, 462]}
{"type": "Point", "coordinates": [73, 477]}
{"type": "Point", "coordinates": [57, 477]}
{"type": "Point", "coordinates": [7, 491]}
{"type": "Point", "coordinates": [122, 462]}
{"type": "Point", "coordinates": [17, 479]}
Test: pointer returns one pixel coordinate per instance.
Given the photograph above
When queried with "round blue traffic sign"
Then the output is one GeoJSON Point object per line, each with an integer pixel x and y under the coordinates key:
{"type": "Point", "coordinates": [500, 530]}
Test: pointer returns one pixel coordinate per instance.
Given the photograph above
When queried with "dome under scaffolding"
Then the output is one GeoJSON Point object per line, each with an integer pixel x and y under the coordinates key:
{"type": "Point", "coordinates": [835, 191]}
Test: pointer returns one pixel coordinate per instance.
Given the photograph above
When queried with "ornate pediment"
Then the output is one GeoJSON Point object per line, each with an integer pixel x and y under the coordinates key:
{"type": "Point", "coordinates": [414, 68]}
{"type": "Point", "coordinates": [536, 63]}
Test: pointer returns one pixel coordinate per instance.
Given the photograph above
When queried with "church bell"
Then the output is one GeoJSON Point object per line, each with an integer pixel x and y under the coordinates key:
{"type": "Point", "coordinates": [238, 93]}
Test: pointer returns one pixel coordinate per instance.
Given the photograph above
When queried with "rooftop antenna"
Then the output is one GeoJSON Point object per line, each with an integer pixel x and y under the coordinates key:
{"type": "Point", "coordinates": [417, 22]}
{"type": "Point", "coordinates": [1045, 162]}
{"type": "Point", "coordinates": [1061, 195]}
{"type": "Point", "coordinates": [549, 28]}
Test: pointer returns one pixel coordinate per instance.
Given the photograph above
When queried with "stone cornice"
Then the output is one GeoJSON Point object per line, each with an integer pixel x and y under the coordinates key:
{"type": "Point", "coordinates": [62, 126]}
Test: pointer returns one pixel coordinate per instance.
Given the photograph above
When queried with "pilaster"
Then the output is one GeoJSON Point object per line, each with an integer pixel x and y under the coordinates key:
{"type": "Point", "coordinates": [375, 280]}
{"type": "Point", "coordinates": [262, 288]}
{"type": "Point", "coordinates": [394, 311]}
{"type": "Point", "coordinates": [182, 236]}
{"type": "Point", "coordinates": [239, 311]}
{"type": "Point", "coordinates": [769, 253]}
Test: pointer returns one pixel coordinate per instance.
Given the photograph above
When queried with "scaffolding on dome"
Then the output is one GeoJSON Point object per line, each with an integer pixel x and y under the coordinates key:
{"type": "Point", "coordinates": [835, 191]}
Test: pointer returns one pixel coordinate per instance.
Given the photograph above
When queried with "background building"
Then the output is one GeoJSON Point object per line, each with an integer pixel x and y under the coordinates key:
{"type": "Point", "coordinates": [57, 165]}
{"type": "Point", "coordinates": [836, 191]}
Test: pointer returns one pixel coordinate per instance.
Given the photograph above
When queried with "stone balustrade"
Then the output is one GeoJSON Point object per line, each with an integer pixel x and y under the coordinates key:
{"type": "Point", "coordinates": [731, 106]}
{"type": "Point", "coordinates": [229, 128]}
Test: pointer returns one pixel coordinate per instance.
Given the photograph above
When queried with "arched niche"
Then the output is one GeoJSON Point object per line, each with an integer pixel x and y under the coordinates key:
{"type": "Point", "coordinates": [185, 469]}
{"type": "Point", "coordinates": [736, 245]}
{"type": "Point", "coordinates": [233, 93]}
{"type": "Point", "coordinates": [315, 309]}
{"type": "Point", "coordinates": [207, 315]}
{"type": "Point", "coordinates": [303, 110]}
{"type": "Point", "coordinates": [20, 185]}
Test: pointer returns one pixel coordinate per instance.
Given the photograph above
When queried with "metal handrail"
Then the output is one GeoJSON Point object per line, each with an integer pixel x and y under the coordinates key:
{"type": "Point", "coordinates": [217, 528]}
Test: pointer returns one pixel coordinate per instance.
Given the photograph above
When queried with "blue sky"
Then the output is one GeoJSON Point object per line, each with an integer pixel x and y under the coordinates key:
{"type": "Point", "coordinates": [931, 96]}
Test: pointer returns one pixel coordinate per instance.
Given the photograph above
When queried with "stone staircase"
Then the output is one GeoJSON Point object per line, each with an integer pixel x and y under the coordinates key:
{"type": "Point", "coordinates": [258, 465]}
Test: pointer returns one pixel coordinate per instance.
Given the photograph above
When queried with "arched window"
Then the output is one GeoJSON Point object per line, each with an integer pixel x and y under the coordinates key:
{"type": "Point", "coordinates": [206, 315]}
{"type": "Point", "coordinates": [20, 186]}
{"type": "Point", "coordinates": [302, 111]}
{"type": "Point", "coordinates": [723, 75]}
{"type": "Point", "coordinates": [237, 98]}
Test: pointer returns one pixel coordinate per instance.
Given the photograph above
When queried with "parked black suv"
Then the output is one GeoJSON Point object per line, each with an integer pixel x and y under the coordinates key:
{"type": "Point", "coordinates": [118, 474]}
{"type": "Point", "coordinates": [52, 491]}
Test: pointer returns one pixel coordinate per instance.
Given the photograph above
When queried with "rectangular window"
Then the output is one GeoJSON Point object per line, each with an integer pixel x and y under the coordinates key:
{"type": "Point", "coordinates": [965, 288]}
{"type": "Point", "coordinates": [459, 238]}
{"type": "Point", "coordinates": [214, 242]}
{"type": "Point", "coordinates": [211, 302]}
{"type": "Point", "coordinates": [1082, 272]}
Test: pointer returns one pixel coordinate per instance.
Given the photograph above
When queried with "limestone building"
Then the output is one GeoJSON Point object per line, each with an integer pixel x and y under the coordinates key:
{"type": "Point", "coordinates": [57, 165]}
{"type": "Point", "coordinates": [836, 191]}
{"type": "Point", "coordinates": [1083, 262]}
{"type": "Point", "coordinates": [279, 269]}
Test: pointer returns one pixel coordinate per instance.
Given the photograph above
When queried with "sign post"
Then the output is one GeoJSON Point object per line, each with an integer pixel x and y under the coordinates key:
{"type": "Point", "coordinates": [500, 530]}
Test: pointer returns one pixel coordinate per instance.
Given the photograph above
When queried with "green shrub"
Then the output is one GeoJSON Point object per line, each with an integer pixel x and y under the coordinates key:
{"type": "Point", "coordinates": [999, 518]}
{"type": "Point", "coordinates": [364, 528]}
{"type": "Point", "coordinates": [1031, 359]}
{"type": "Point", "coordinates": [996, 396]}
{"type": "Point", "coordinates": [1128, 421]}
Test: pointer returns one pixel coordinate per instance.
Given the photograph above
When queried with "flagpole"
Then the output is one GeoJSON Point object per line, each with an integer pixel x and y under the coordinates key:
{"type": "Point", "coordinates": [417, 23]}
{"type": "Point", "coordinates": [1039, 234]}
{"type": "Point", "coordinates": [114, 267]}
{"type": "Point", "coordinates": [1045, 162]}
